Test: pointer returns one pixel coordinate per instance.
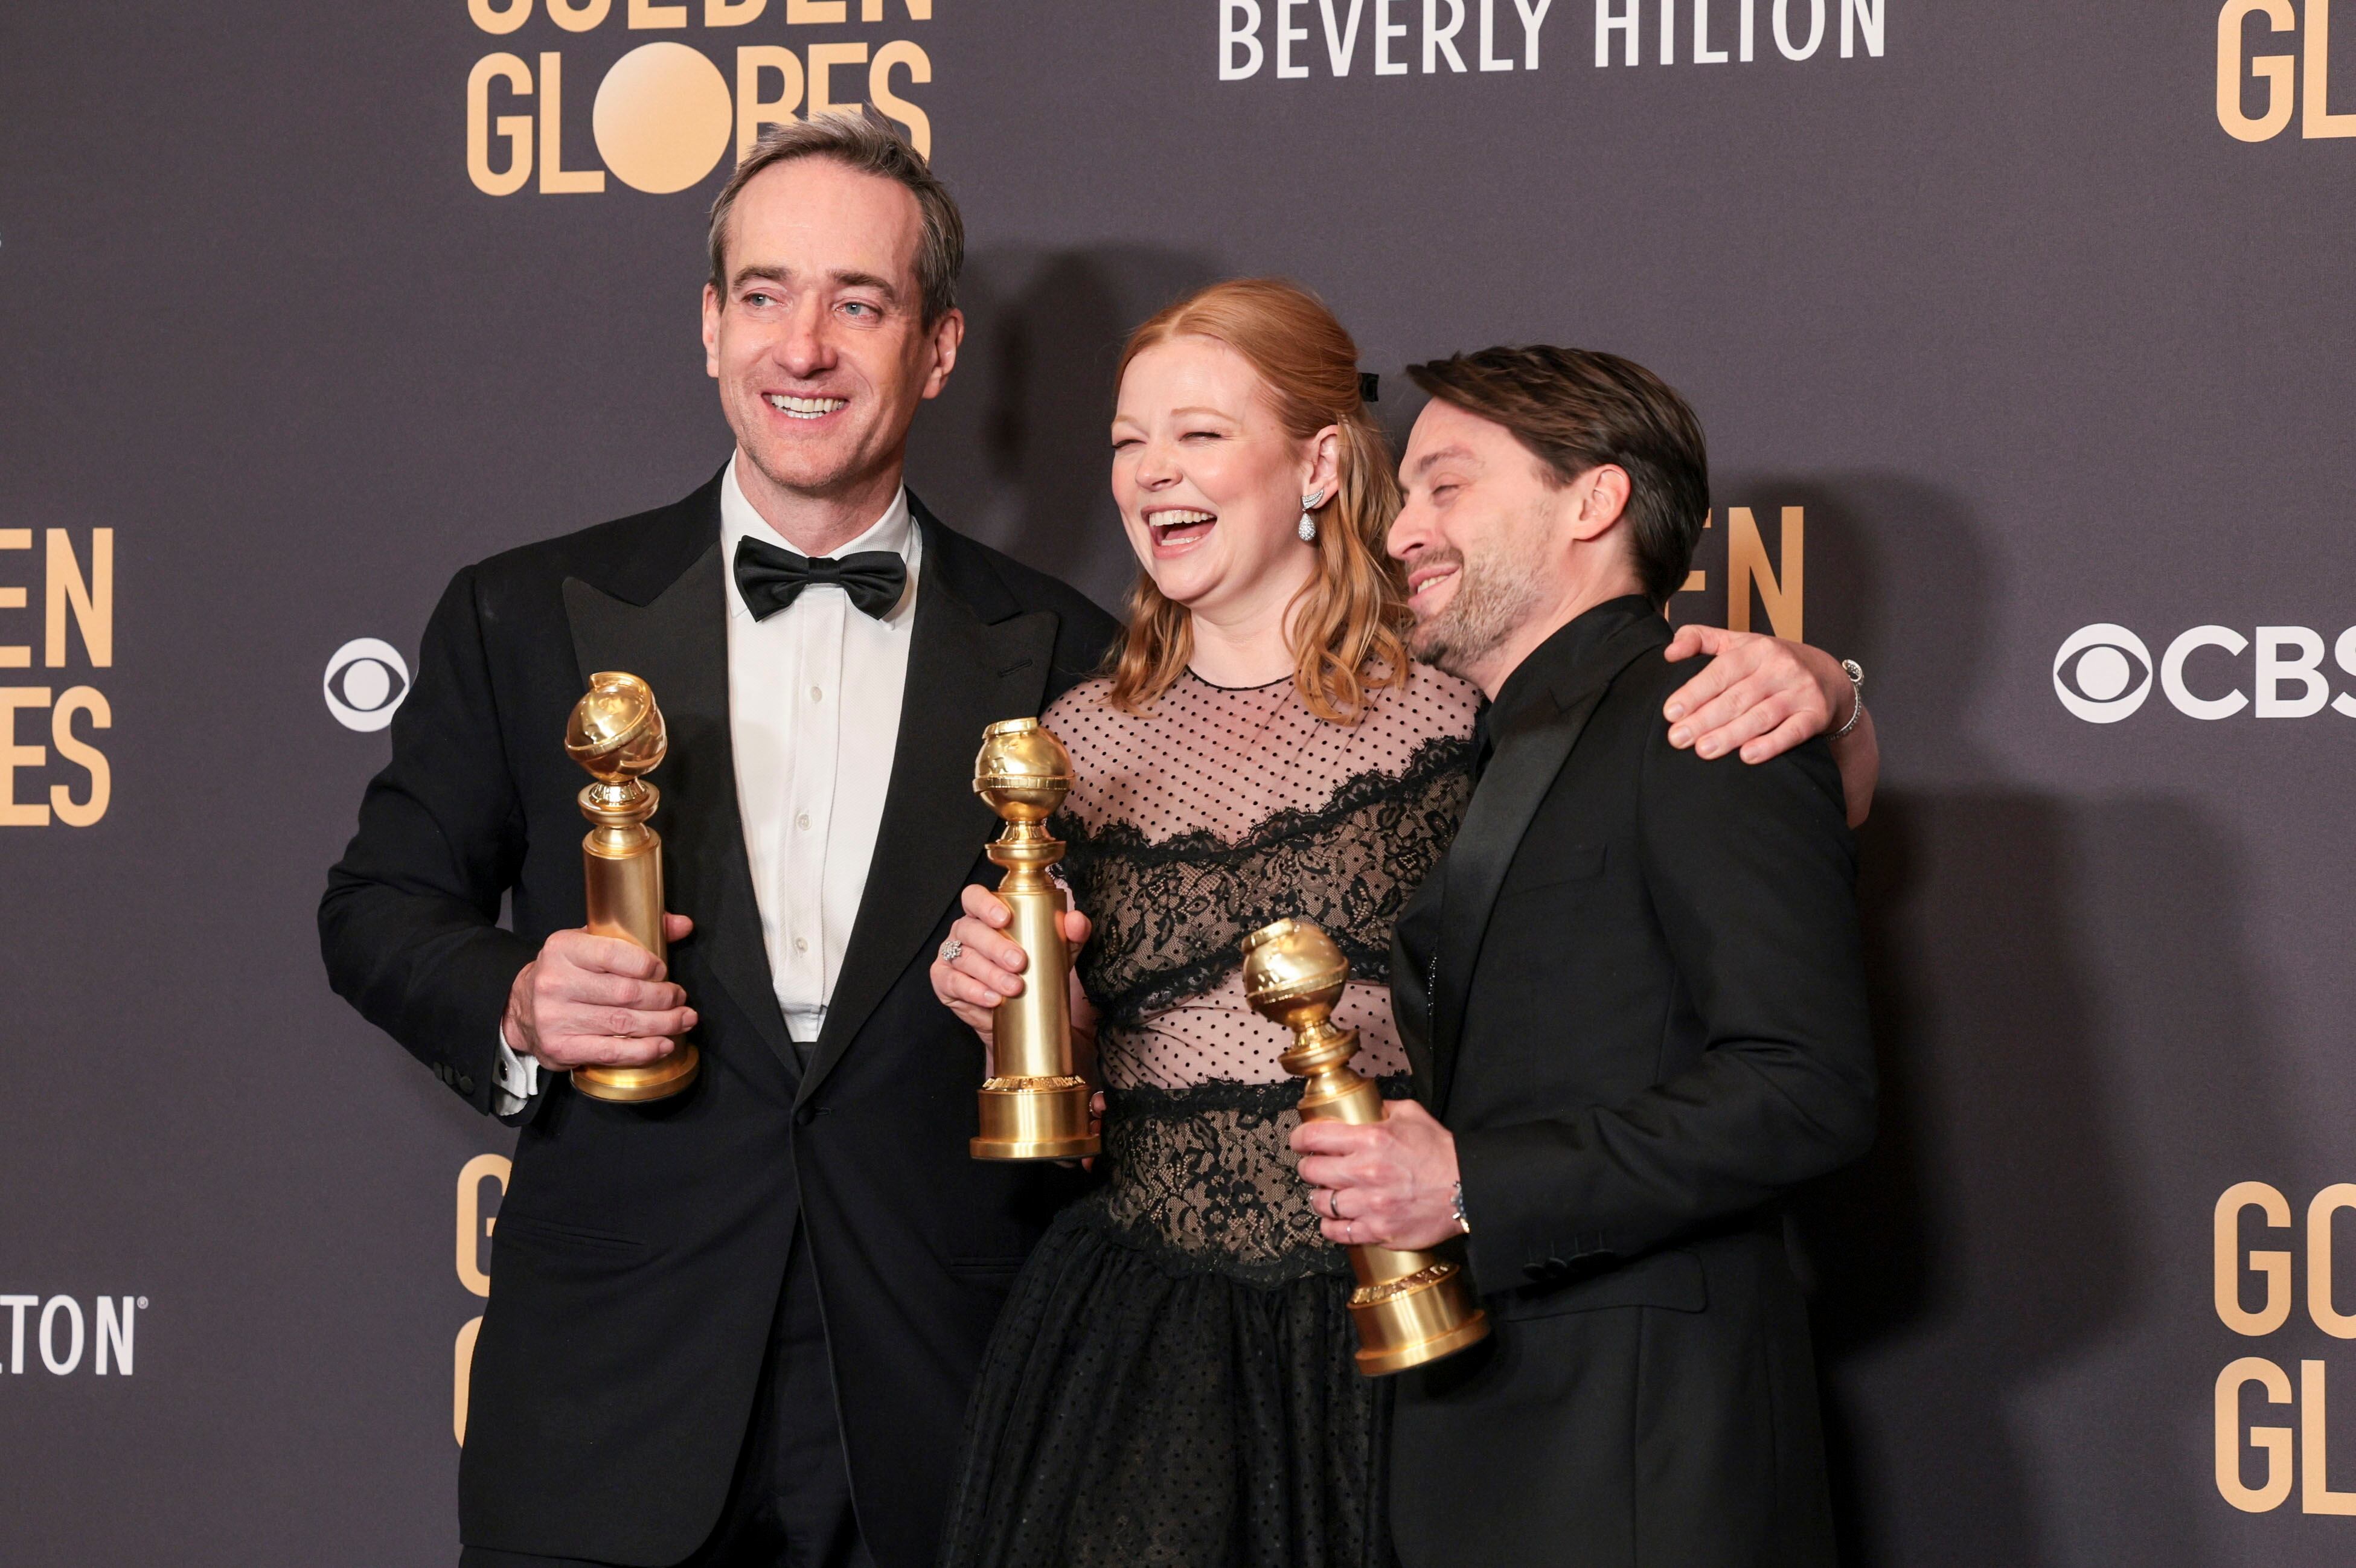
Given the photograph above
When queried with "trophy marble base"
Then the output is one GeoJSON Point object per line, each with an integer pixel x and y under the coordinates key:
{"type": "Point", "coordinates": [1035, 1119]}
{"type": "Point", "coordinates": [627, 1085]}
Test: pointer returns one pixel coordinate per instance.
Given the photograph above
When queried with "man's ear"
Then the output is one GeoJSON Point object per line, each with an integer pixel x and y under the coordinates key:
{"type": "Point", "coordinates": [948, 333]}
{"type": "Point", "coordinates": [1601, 494]}
{"type": "Point", "coordinates": [710, 332]}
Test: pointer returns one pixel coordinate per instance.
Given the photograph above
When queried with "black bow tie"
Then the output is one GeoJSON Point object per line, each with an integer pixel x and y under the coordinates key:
{"type": "Point", "coordinates": [771, 578]}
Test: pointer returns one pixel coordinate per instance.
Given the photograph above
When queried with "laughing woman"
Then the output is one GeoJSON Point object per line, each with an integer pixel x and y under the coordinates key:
{"type": "Point", "coordinates": [1172, 1381]}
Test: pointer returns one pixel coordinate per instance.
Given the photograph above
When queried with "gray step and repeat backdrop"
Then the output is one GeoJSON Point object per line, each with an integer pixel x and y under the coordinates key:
{"type": "Point", "coordinates": [2023, 335]}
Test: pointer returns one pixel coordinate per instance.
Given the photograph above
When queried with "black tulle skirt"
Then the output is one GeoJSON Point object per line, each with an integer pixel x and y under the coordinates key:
{"type": "Point", "coordinates": [1137, 1408]}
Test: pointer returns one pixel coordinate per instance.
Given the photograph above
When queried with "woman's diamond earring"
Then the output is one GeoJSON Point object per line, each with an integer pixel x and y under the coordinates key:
{"type": "Point", "coordinates": [1307, 523]}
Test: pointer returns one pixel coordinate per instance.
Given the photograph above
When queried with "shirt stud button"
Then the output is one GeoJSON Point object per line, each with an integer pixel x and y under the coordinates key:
{"type": "Point", "coordinates": [802, 821]}
{"type": "Point", "coordinates": [817, 695]}
{"type": "Point", "coordinates": [801, 944]}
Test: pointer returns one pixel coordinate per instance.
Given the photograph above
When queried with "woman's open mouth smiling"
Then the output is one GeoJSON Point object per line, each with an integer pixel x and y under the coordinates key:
{"type": "Point", "coordinates": [1176, 530]}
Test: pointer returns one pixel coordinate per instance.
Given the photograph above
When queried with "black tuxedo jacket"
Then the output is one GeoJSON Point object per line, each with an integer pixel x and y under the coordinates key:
{"type": "Point", "coordinates": [639, 1250]}
{"type": "Point", "coordinates": [1633, 992]}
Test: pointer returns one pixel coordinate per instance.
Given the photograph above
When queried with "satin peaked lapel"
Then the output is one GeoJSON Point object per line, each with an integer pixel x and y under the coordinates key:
{"type": "Point", "coordinates": [1527, 761]}
{"type": "Point", "coordinates": [963, 675]}
{"type": "Point", "coordinates": [678, 643]}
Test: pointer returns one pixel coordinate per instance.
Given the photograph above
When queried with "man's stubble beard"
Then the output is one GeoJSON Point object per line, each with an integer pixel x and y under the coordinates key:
{"type": "Point", "coordinates": [1491, 602]}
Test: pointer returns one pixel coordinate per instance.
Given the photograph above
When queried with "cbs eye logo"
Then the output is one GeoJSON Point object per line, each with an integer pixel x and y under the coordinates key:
{"type": "Point", "coordinates": [2103, 673]}
{"type": "Point", "coordinates": [365, 683]}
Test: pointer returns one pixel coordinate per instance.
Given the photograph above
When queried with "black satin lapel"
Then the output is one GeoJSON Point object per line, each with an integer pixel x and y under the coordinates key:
{"type": "Point", "coordinates": [678, 643]}
{"type": "Point", "coordinates": [1526, 762]}
{"type": "Point", "coordinates": [963, 676]}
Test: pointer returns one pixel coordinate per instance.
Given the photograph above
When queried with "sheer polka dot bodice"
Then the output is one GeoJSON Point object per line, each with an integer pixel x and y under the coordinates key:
{"type": "Point", "coordinates": [1218, 810]}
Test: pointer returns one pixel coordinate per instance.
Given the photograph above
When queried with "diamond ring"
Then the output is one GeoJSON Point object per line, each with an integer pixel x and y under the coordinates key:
{"type": "Point", "coordinates": [951, 949]}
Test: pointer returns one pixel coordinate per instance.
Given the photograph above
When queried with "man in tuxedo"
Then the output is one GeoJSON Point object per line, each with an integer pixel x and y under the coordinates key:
{"type": "Point", "coordinates": [738, 1326]}
{"type": "Point", "coordinates": [1633, 999]}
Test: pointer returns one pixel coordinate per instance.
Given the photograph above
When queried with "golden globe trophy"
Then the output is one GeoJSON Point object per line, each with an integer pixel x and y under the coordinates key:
{"type": "Point", "coordinates": [1036, 1107]}
{"type": "Point", "coordinates": [1411, 1307]}
{"type": "Point", "coordinates": [617, 733]}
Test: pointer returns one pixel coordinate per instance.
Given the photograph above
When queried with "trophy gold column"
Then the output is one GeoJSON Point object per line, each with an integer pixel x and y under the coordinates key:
{"type": "Point", "coordinates": [1036, 1107]}
{"type": "Point", "coordinates": [617, 733]}
{"type": "Point", "coordinates": [1411, 1307]}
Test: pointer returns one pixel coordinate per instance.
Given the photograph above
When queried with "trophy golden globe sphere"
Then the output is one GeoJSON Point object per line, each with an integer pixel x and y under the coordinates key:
{"type": "Point", "coordinates": [1410, 1306]}
{"type": "Point", "coordinates": [1022, 771]}
{"type": "Point", "coordinates": [1293, 973]}
{"type": "Point", "coordinates": [616, 731]}
{"type": "Point", "coordinates": [616, 734]}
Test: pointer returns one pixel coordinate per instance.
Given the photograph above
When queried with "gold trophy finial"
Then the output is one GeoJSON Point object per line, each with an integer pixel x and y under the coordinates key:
{"type": "Point", "coordinates": [1411, 1307]}
{"type": "Point", "coordinates": [616, 734]}
{"type": "Point", "coordinates": [1035, 1107]}
{"type": "Point", "coordinates": [616, 731]}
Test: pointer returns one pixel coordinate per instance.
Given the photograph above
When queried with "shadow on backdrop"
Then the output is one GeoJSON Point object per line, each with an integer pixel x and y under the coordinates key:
{"type": "Point", "coordinates": [1014, 451]}
{"type": "Point", "coordinates": [1980, 1276]}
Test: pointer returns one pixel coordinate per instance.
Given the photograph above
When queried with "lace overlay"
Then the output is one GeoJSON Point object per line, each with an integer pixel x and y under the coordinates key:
{"type": "Point", "coordinates": [1206, 1179]}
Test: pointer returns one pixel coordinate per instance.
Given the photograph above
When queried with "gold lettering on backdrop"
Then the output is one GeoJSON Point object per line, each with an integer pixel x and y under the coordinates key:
{"type": "Point", "coordinates": [578, 16]}
{"type": "Point", "coordinates": [661, 115]}
{"type": "Point", "coordinates": [91, 598]}
{"type": "Point", "coordinates": [2315, 1494]}
{"type": "Point", "coordinates": [18, 655]}
{"type": "Point", "coordinates": [755, 113]}
{"type": "Point", "coordinates": [2272, 1441]}
{"type": "Point", "coordinates": [2273, 1266]}
{"type": "Point", "coordinates": [2302, 1453]}
{"type": "Point", "coordinates": [662, 119]}
{"type": "Point", "coordinates": [2237, 68]}
{"type": "Point", "coordinates": [1747, 564]}
{"type": "Point", "coordinates": [554, 177]}
{"type": "Point", "coordinates": [2319, 1213]}
{"type": "Point", "coordinates": [1780, 579]}
{"type": "Point", "coordinates": [497, 20]}
{"type": "Point", "coordinates": [2319, 121]}
{"type": "Point", "coordinates": [891, 104]}
{"type": "Point", "coordinates": [72, 748]}
{"type": "Point", "coordinates": [15, 813]}
{"type": "Point", "coordinates": [474, 1230]}
{"type": "Point", "coordinates": [78, 612]}
{"type": "Point", "coordinates": [462, 1372]}
{"type": "Point", "coordinates": [2275, 70]}
{"type": "Point", "coordinates": [516, 129]}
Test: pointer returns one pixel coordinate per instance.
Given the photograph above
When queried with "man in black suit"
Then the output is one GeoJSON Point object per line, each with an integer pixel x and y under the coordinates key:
{"type": "Point", "coordinates": [739, 1325]}
{"type": "Point", "coordinates": [1633, 999]}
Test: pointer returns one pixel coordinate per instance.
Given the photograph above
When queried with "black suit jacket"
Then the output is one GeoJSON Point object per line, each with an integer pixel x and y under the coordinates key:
{"type": "Point", "coordinates": [640, 1249]}
{"type": "Point", "coordinates": [1633, 991]}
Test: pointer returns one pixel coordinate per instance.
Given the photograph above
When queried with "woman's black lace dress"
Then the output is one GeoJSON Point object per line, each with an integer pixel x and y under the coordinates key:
{"type": "Point", "coordinates": [1172, 1381]}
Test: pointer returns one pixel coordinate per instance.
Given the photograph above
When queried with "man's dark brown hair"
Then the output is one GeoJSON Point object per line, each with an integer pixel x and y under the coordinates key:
{"type": "Point", "coordinates": [1577, 410]}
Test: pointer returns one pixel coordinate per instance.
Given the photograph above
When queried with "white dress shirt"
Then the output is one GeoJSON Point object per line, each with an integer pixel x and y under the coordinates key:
{"type": "Point", "coordinates": [814, 713]}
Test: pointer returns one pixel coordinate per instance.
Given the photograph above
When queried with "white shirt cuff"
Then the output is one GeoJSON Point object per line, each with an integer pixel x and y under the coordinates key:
{"type": "Point", "coordinates": [515, 1079]}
